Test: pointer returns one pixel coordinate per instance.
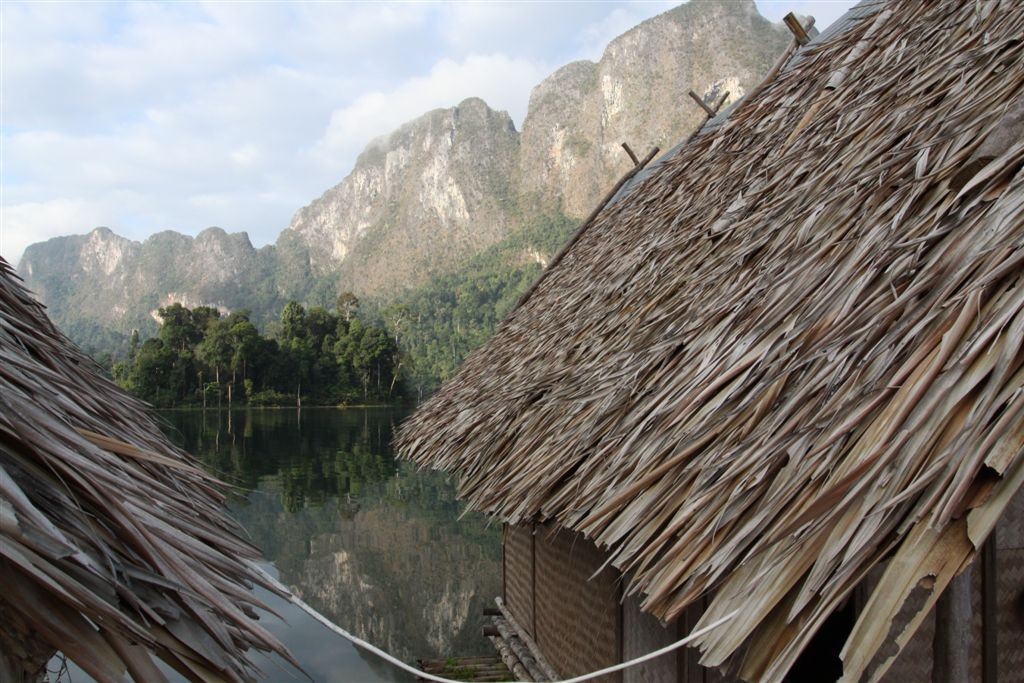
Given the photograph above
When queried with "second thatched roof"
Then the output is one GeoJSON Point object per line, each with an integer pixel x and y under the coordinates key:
{"type": "Point", "coordinates": [791, 353]}
{"type": "Point", "coordinates": [114, 545]}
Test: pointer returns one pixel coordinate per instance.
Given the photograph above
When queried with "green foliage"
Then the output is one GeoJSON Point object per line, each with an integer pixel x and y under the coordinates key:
{"type": "Point", "coordinates": [179, 329]}
{"type": "Point", "coordinates": [437, 325]}
{"type": "Point", "coordinates": [318, 357]}
{"type": "Point", "coordinates": [95, 339]}
{"type": "Point", "coordinates": [270, 398]}
{"type": "Point", "coordinates": [347, 305]}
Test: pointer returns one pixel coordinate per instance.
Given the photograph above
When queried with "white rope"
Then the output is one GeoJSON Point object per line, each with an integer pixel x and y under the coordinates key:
{"type": "Point", "coordinates": [297, 601]}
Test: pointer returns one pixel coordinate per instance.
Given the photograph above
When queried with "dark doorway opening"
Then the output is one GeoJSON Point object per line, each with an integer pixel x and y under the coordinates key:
{"type": "Point", "coordinates": [819, 662]}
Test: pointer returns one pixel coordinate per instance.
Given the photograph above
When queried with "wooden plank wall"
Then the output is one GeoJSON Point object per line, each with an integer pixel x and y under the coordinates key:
{"type": "Point", "coordinates": [642, 633]}
{"type": "Point", "coordinates": [1010, 596]}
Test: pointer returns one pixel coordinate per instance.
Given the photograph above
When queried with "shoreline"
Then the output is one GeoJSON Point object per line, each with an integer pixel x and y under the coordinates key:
{"type": "Point", "coordinates": [359, 406]}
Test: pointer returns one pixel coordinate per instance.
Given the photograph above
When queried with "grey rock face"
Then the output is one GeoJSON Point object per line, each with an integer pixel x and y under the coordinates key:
{"type": "Point", "coordinates": [580, 115]}
{"type": "Point", "coordinates": [119, 283]}
{"type": "Point", "coordinates": [430, 194]}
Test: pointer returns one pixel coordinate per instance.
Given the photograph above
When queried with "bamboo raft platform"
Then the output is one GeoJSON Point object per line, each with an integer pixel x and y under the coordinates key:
{"type": "Point", "coordinates": [484, 668]}
{"type": "Point", "coordinates": [518, 658]}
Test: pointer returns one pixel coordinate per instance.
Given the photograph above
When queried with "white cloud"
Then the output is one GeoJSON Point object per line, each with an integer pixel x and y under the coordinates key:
{"type": "Point", "coordinates": [503, 82]}
{"type": "Point", "coordinates": [175, 115]}
{"type": "Point", "coordinates": [509, 26]}
{"type": "Point", "coordinates": [595, 36]}
{"type": "Point", "coordinates": [246, 155]}
{"type": "Point", "coordinates": [823, 11]}
{"type": "Point", "coordinates": [23, 224]}
{"type": "Point", "coordinates": [329, 32]}
{"type": "Point", "coordinates": [552, 28]}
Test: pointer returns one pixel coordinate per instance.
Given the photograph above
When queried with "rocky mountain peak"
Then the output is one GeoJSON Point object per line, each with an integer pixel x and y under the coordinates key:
{"type": "Point", "coordinates": [581, 114]}
{"type": "Point", "coordinates": [414, 191]}
{"type": "Point", "coordinates": [103, 251]}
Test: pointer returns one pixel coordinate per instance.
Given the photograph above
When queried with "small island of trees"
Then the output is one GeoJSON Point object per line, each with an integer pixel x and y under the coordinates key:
{"type": "Point", "coordinates": [313, 356]}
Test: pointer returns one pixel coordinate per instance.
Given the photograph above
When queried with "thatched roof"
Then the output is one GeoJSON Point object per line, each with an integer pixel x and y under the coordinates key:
{"type": "Point", "coordinates": [113, 543]}
{"type": "Point", "coordinates": [792, 352]}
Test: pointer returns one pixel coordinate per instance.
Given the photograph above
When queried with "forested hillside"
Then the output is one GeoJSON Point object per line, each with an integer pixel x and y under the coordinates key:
{"type": "Point", "coordinates": [441, 322]}
{"type": "Point", "coordinates": [351, 352]}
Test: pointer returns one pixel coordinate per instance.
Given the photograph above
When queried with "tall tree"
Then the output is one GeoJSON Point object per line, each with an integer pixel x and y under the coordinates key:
{"type": "Point", "coordinates": [293, 321]}
{"type": "Point", "coordinates": [177, 328]}
{"type": "Point", "coordinates": [216, 348]}
{"type": "Point", "coordinates": [347, 306]}
{"type": "Point", "coordinates": [245, 341]}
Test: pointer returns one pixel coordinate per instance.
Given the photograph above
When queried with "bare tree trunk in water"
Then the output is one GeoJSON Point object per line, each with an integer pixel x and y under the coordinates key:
{"type": "Point", "coordinates": [394, 378]}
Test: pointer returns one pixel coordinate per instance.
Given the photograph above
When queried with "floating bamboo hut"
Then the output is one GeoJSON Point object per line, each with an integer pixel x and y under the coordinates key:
{"type": "Point", "coordinates": [114, 546]}
{"type": "Point", "coordinates": [780, 376]}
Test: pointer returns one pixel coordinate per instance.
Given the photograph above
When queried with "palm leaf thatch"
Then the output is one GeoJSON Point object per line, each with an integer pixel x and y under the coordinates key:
{"type": "Point", "coordinates": [790, 354]}
{"type": "Point", "coordinates": [113, 543]}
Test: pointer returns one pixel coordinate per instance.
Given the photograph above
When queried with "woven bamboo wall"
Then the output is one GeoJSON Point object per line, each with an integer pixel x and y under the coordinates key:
{"type": "Point", "coordinates": [578, 618]}
{"type": "Point", "coordinates": [1010, 532]}
{"type": "Point", "coordinates": [518, 559]}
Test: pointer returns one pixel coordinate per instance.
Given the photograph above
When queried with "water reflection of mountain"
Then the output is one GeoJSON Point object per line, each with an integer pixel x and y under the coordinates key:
{"type": "Point", "coordinates": [373, 544]}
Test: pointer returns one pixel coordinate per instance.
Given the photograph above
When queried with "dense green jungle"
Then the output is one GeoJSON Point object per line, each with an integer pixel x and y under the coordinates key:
{"type": "Point", "coordinates": [345, 351]}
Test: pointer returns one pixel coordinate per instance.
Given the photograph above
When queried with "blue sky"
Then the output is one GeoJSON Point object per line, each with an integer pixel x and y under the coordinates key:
{"type": "Point", "coordinates": [152, 116]}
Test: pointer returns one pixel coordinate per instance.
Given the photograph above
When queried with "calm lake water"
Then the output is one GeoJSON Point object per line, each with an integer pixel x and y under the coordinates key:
{"type": "Point", "coordinates": [372, 543]}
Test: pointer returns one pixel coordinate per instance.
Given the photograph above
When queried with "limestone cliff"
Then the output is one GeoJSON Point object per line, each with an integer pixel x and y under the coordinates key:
{"type": "Point", "coordinates": [119, 283]}
{"type": "Point", "coordinates": [637, 93]}
{"type": "Point", "coordinates": [418, 201]}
